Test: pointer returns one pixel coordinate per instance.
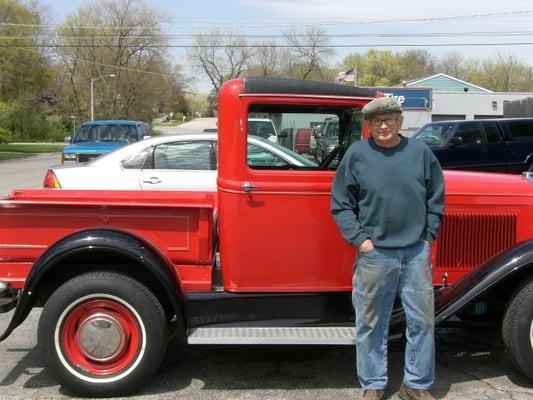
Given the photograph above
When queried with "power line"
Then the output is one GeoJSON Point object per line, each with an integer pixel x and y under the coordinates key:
{"type": "Point", "coordinates": [188, 46]}
{"type": "Point", "coordinates": [278, 36]}
{"type": "Point", "coordinates": [301, 24]}
{"type": "Point", "coordinates": [117, 67]}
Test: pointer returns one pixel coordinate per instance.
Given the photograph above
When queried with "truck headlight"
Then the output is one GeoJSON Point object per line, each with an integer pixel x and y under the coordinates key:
{"type": "Point", "coordinates": [68, 157]}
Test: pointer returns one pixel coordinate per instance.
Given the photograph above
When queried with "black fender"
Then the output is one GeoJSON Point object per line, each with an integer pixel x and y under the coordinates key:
{"type": "Point", "coordinates": [510, 264]}
{"type": "Point", "coordinates": [116, 242]}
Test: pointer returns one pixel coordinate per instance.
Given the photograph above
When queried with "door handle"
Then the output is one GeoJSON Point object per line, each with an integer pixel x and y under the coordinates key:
{"type": "Point", "coordinates": [153, 180]}
{"type": "Point", "coordinates": [248, 187]}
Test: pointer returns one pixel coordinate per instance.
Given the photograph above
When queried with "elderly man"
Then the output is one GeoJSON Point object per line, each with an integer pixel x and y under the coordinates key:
{"type": "Point", "coordinates": [387, 200]}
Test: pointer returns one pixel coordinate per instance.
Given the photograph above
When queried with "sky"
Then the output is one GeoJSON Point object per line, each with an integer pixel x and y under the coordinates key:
{"type": "Point", "coordinates": [498, 25]}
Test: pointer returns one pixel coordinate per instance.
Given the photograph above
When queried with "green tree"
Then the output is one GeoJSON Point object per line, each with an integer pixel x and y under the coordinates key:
{"type": "Point", "coordinates": [22, 68]}
{"type": "Point", "coordinates": [502, 74]}
{"type": "Point", "coordinates": [375, 67]}
{"type": "Point", "coordinates": [416, 63]}
{"type": "Point", "coordinates": [121, 38]}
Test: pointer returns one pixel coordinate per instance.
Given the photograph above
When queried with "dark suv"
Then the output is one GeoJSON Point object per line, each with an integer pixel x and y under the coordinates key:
{"type": "Point", "coordinates": [500, 145]}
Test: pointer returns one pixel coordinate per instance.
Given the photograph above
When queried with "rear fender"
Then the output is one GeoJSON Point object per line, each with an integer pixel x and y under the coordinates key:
{"type": "Point", "coordinates": [115, 242]}
{"type": "Point", "coordinates": [511, 264]}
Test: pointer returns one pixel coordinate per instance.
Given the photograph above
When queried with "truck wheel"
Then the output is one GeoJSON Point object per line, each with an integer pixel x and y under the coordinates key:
{"type": "Point", "coordinates": [517, 328]}
{"type": "Point", "coordinates": [103, 334]}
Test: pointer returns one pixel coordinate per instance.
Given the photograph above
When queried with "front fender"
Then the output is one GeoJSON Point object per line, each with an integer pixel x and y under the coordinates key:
{"type": "Point", "coordinates": [92, 240]}
{"type": "Point", "coordinates": [513, 262]}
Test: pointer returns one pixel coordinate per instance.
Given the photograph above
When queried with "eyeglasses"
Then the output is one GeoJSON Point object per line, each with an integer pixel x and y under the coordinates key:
{"type": "Point", "coordinates": [377, 122]}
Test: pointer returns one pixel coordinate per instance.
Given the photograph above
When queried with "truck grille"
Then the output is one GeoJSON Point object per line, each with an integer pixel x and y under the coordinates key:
{"type": "Point", "coordinates": [86, 157]}
{"type": "Point", "coordinates": [468, 239]}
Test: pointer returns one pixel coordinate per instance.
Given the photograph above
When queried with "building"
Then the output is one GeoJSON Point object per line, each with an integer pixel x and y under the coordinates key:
{"type": "Point", "coordinates": [446, 98]}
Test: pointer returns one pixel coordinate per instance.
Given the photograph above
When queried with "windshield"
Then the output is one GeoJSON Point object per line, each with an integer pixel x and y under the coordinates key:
{"type": "Point", "coordinates": [107, 133]}
{"type": "Point", "coordinates": [434, 133]}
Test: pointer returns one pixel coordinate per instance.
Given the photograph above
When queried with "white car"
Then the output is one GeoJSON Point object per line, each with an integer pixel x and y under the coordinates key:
{"type": "Point", "coordinates": [186, 162]}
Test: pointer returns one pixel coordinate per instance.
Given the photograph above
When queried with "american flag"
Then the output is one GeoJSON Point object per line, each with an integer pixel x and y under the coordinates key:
{"type": "Point", "coordinates": [348, 75]}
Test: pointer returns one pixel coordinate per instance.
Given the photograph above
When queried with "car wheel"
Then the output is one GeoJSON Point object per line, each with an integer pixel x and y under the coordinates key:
{"type": "Point", "coordinates": [517, 328]}
{"type": "Point", "coordinates": [103, 334]}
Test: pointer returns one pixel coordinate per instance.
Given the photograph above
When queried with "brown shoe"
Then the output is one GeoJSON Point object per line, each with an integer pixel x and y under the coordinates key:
{"type": "Point", "coordinates": [406, 393]}
{"type": "Point", "coordinates": [373, 394]}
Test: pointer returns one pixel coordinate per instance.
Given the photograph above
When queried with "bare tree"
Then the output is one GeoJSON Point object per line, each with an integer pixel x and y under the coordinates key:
{"type": "Point", "coordinates": [309, 52]}
{"type": "Point", "coordinates": [269, 60]}
{"type": "Point", "coordinates": [452, 64]}
{"type": "Point", "coordinates": [221, 55]}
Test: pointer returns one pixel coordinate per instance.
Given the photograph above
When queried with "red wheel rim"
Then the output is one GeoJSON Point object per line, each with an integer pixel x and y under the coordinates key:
{"type": "Point", "coordinates": [74, 332]}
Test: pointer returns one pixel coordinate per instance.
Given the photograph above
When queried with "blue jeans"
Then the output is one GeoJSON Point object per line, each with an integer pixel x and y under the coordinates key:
{"type": "Point", "coordinates": [379, 276]}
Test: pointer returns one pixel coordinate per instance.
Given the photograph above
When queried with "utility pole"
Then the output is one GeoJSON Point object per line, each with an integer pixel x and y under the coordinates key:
{"type": "Point", "coordinates": [92, 91]}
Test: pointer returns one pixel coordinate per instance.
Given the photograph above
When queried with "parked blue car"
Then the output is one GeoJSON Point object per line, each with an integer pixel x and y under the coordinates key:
{"type": "Point", "coordinates": [95, 138]}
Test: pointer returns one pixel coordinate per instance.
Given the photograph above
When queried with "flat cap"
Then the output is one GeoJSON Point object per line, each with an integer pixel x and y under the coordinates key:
{"type": "Point", "coordinates": [381, 105]}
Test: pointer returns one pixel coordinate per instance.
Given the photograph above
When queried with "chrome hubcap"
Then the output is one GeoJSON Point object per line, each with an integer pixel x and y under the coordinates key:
{"type": "Point", "coordinates": [101, 337]}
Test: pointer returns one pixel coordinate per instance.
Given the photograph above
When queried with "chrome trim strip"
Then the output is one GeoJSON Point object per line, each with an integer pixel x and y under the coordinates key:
{"type": "Point", "coordinates": [23, 246]}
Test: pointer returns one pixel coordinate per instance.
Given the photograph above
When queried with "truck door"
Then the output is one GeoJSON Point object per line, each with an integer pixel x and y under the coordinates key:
{"type": "Point", "coordinates": [276, 231]}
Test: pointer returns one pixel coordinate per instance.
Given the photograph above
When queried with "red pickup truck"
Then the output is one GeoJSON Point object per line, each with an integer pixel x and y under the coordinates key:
{"type": "Point", "coordinates": [258, 262]}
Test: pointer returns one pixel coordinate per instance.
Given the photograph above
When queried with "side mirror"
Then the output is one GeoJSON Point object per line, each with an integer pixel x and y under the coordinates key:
{"type": "Point", "coordinates": [456, 140]}
{"type": "Point", "coordinates": [67, 139]}
{"type": "Point", "coordinates": [283, 134]}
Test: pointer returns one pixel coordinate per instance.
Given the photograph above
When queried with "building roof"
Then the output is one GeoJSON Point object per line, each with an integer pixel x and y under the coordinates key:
{"type": "Point", "coordinates": [446, 83]}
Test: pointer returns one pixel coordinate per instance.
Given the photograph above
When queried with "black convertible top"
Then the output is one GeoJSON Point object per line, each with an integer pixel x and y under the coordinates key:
{"type": "Point", "coordinates": [296, 86]}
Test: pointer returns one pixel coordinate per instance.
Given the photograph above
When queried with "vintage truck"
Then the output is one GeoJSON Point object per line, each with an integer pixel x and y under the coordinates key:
{"type": "Point", "coordinates": [258, 262]}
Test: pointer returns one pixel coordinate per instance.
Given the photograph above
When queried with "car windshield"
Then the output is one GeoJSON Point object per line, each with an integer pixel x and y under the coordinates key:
{"type": "Point", "coordinates": [305, 161]}
{"type": "Point", "coordinates": [262, 129]}
{"type": "Point", "coordinates": [106, 133]}
{"type": "Point", "coordinates": [434, 133]}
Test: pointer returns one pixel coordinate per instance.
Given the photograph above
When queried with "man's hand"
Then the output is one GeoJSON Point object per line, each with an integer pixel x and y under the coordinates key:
{"type": "Point", "coordinates": [426, 242]}
{"type": "Point", "coordinates": [366, 246]}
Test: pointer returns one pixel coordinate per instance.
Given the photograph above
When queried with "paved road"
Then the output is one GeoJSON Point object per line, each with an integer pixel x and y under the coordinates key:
{"type": "Point", "coordinates": [25, 173]}
{"type": "Point", "coordinates": [470, 365]}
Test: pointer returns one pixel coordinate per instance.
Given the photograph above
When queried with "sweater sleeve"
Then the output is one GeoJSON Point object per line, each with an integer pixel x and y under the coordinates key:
{"type": "Point", "coordinates": [435, 196]}
{"type": "Point", "coordinates": [344, 205]}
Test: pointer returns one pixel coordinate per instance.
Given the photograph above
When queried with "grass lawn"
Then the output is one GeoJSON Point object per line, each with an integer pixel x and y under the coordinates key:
{"type": "Point", "coordinates": [11, 156]}
{"type": "Point", "coordinates": [33, 147]}
{"type": "Point", "coordinates": [19, 150]}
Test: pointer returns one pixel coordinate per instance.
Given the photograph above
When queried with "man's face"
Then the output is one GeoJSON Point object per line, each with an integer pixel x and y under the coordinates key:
{"type": "Point", "coordinates": [385, 127]}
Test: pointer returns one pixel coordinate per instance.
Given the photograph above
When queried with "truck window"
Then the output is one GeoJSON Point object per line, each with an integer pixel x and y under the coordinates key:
{"type": "Point", "coordinates": [491, 132]}
{"type": "Point", "coordinates": [470, 133]}
{"type": "Point", "coordinates": [434, 133]}
{"type": "Point", "coordinates": [303, 137]}
{"type": "Point", "coordinates": [520, 130]}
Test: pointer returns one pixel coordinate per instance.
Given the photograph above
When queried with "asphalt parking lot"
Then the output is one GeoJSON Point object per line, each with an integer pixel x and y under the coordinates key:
{"type": "Point", "coordinates": [470, 365]}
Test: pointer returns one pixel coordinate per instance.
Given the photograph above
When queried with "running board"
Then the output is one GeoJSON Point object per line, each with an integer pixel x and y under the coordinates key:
{"type": "Point", "coordinates": [322, 335]}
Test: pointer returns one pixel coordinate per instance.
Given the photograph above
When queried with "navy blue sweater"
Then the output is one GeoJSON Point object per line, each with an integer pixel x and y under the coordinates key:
{"type": "Point", "coordinates": [392, 196]}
